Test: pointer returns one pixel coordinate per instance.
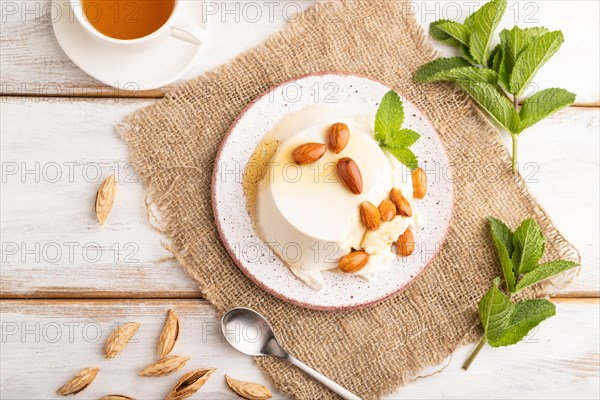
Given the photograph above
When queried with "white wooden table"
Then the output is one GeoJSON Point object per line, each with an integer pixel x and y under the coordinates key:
{"type": "Point", "coordinates": [65, 281]}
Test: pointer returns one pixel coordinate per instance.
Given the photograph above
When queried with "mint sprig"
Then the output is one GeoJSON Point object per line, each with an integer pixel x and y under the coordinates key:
{"type": "Point", "coordinates": [520, 252]}
{"type": "Point", "coordinates": [497, 77]}
{"type": "Point", "coordinates": [504, 322]}
{"type": "Point", "coordinates": [389, 133]}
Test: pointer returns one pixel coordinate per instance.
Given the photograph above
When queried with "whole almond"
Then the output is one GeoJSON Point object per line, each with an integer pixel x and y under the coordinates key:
{"type": "Point", "coordinates": [369, 215]}
{"type": "Point", "coordinates": [339, 135]}
{"type": "Point", "coordinates": [419, 182]}
{"type": "Point", "coordinates": [116, 397]}
{"type": "Point", "coordinates": [402, 205]}
{"type": "Point", "coordinates": [169, 334]}
{"type": "Point", "coordinates": [353, 261]}
{"type": "Point", "coordinates": [248, 390]}
{"type": "Point", "coordinates": [189, 384]}
{"type": "Point", "coordinates": [165, 366]}
{"type": "Point", "coordinates": [105, 199]}
{"type": "Point", "coordinates": [406, 243]}
{"type": "Point", "coordinates": [119, 339]}
{"type": "Point", "coordinates": [387, 210]}
{"type": "Point", "coordinates": [350, 175]}
{"type": "Point", "coordinates": [308, 153]}
{"type": "Point", "coordinates": [82, 380]}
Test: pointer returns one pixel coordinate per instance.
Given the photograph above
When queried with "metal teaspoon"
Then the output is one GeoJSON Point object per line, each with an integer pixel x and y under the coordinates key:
{"type": "Point", "coordinates": [265, 344]}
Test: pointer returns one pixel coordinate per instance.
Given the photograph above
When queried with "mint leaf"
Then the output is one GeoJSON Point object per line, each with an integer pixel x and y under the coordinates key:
{"type": "Point", "coordinates": [435, 67]}
{"type": "Point", "coordinates": [503, 71]}
{"type": "Point", "coordinates": [517, 42]}
{"type": "Point", "coordinates": [528, 242]}
{"type": "Point", "coordinates": [543, 104]}
{"type": "Point", "coordinates": [532, 59]}
{"type": "Point", "coordinates": [467, 54]}
{"type": "Point", "coordinates": [503, 238]}
{"type": "Point", "coordinates": [493, 55]}
{"type": "Point", "coordinates": [525, 316]}
{"type": "Point", "coordinates": [455, 30]}
{"type": "Point", "coordinates": [543, 272]}
{"type": "Point", "coordinates": [405, 156]}
{"type": "Point", "coordinates": [535, 32]}
{"type": "Point", "coordinates": [440, 35]}
{"type": "Point", "coordinates": [495, 310]}
{"type": "Point", "coordinates": [464, 73]}
{"type": "Point", "coordinates": [482, 24]}
{"type": "Point", "coordinates": [513, 43]}
{"type": "Point", "coordinates": [404, 138]}
{"type": "Point", "coordinates": [502, 232]}
{"type": "Point", "coordinates": [389, 116]}
{"type": "Point", "coordinates": [492, 101]}
{"type": "Point", "coordinates": [389, 133]}
{"type": "Point", "coordinates": [497, 61]}
{"type": "Point", "coordinates": [505, 323]}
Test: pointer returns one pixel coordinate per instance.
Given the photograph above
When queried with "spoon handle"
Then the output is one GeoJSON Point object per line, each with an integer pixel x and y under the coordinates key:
{"type": "Point", "coordinates": [328, 383]}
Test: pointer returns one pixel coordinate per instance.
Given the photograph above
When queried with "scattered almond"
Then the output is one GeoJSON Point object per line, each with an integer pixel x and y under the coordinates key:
{"type": "Point", "coordinates": [119, 339]}
{"type": "Point", "coordinates": [350, 174]}
{"type": "Point", "coordinates": [402, 205]}
{"type": "Point", "coordinates": [169, 334]}
{"type": "Point", "coordinates": [339, 135]}
{"type": "Point", "coordinates": [116, 397]}
{"type": "Point", "coordinates": [369, 215]}
{"type": "Point", "coordinates": [419, 182]}
{"type": "Point", "coordinates": [387, 210]}
{"type": "Point", "coordinates": [406, 243]}
{"type": "Point", "coordinates": [189, 384]}
{"type": "Point", "coordinates": [82, 380]}
{"type": "Point", "coordinates": [308, 153]}
{"type": "Point", "coordinates": [353, 261]}
{"type": "Point", "coordinates": [248, 390]}
{"type": "Point", "coordinates": [165, 366]}
{"type": "Point", "coordinates": [105, 199]}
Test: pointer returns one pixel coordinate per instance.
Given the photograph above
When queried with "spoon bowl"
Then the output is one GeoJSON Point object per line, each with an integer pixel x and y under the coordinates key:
{"type": "Point", "coordinates": [250, 333]}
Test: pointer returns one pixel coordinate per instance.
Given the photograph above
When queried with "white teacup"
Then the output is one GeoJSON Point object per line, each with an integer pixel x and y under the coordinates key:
{"type": "Point", "coordinates": [178, 26]}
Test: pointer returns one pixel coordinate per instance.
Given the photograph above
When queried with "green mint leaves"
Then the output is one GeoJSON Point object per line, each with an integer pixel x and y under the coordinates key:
{"type": "Point", "coordinates": [389, 132]}
{"type": "Point", "coordinates": [495, 78]}
{"type": "Point", "coordinates": [504, 322]}
{"type": "Point", "coordinates": [532, 58]}
{"type": "Point", "coordinates": [543, 104]}
{"type": "Point", "coordinates": [520, 253]}
{"type": "Point", "coordinates": [482, 24]}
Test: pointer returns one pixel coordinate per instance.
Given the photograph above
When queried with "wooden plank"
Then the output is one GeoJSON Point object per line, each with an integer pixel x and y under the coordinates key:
{"type": "Point", "coordinates": [561, 170]}
{"type": "Point", "coordinates": [44, 216]}
{"type": "Point", "coordinates": [55, 154]}
{"type": "Point", "coordinates": [568, 370]}
{"type": "Point", "coordinates": [33, 63]}
{"type": "Point", "coordinates": [558, 360]}
{"type": "Point", "coordinates": [64, 337]}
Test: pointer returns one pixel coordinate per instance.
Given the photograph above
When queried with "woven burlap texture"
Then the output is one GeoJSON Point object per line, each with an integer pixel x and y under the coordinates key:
{"type": "Point", "coordinates": [372, 351]}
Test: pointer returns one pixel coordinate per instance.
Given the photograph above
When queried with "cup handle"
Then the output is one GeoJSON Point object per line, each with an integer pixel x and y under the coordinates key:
{"type": "Point", "coordinates": [186, 30]}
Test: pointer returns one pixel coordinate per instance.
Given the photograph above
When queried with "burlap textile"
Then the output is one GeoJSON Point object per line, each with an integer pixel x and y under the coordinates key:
{"type": "Point", "coordinates": [372, 351]}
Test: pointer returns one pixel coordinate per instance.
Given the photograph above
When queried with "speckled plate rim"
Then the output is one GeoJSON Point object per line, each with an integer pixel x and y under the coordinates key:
{"type": "Point", "coordinates": [268, 289]}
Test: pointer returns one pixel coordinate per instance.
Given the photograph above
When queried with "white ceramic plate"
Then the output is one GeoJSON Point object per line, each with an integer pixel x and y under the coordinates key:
{"type": "Point", "coordinates": [252, 255]}
{"type": "Point", "coordinates": [126, 69]}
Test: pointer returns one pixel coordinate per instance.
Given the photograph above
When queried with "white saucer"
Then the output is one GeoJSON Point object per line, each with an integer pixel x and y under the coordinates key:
{"type": "Point", "coordinates": [126, 69]}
